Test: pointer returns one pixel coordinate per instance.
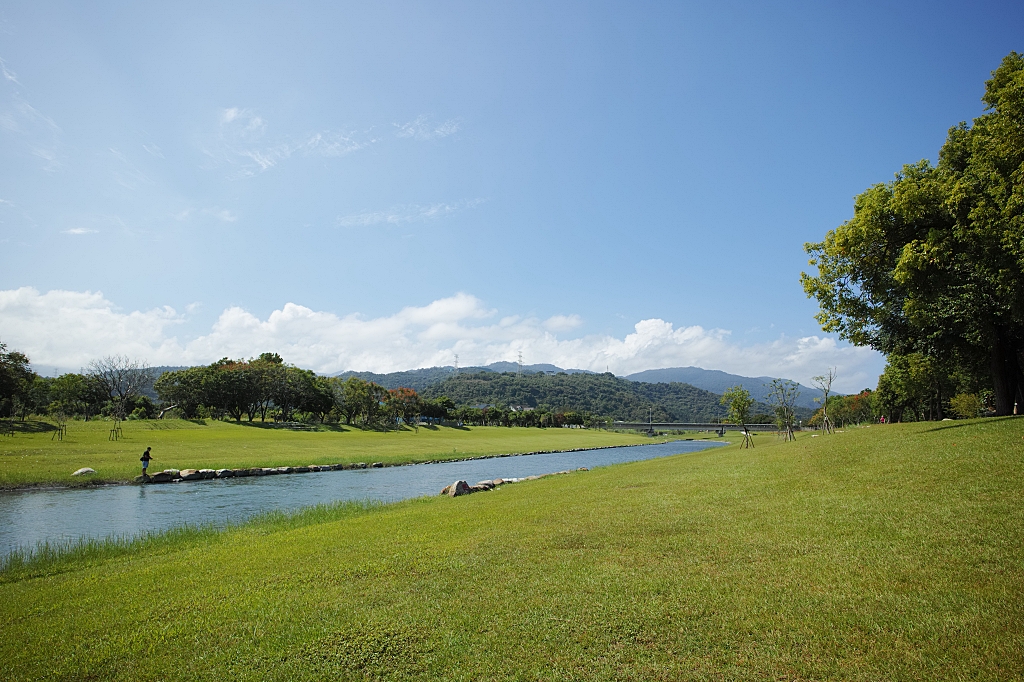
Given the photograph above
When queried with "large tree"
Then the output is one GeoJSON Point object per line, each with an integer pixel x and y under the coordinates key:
{"type": "Point", "coordinates": [16, 378]}
{"type": "Point", "coordinates": [122, 378]}
{"type": "Point", "coordinates": [933, 262]}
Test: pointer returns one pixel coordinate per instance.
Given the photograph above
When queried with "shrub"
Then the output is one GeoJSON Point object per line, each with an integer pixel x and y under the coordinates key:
{"type": "Point", "coordinates": [966, 405]}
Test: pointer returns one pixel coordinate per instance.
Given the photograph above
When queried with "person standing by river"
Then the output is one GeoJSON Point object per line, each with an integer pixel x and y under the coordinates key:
{"type": "Point", "coordinates": [145, 460]}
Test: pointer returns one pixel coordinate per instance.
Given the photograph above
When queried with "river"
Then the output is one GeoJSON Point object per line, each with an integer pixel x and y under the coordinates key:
{"type": "Point", "coordinates": [29, 517]}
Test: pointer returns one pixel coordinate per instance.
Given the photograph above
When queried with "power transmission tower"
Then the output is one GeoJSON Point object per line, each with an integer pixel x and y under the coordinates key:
{"type": "Point", "coordinates": [519, 372]}
{"type": "Point", "coordinates": [456, 364]}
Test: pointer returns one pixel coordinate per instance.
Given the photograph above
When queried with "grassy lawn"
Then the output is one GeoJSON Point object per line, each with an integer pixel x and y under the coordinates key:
{"type": "Point", "coordinates": [32, 457]}
{"type": "Point", "coordinates": [883, 553]}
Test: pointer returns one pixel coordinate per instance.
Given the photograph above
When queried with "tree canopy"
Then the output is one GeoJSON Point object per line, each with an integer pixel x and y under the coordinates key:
{"type": "Point", "coordinates": [933, 262]}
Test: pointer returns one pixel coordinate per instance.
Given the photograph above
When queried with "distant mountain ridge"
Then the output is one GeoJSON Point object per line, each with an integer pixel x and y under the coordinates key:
{"type": "Point", "coordinates": [602, 394]}
{"type": "Point", "coordinates": [420, 379]}
{"type": "Point", "coordinates": [718, 381]}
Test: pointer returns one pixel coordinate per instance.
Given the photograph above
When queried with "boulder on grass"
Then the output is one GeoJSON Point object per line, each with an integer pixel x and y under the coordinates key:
{"type": "Point", "coordinates": [207, 473]}
{"type": "Point", "coordinates": [83, 471]}
{"type": "Point", "coordinates": [189, 475]}
{"type": "Point", "coordinates": [457, 488]}
{"type": "Point", "coordinates": [486, 485]}
{"type": "Point", "coordinates": [164, 476]}
{"type": "Point", "coordinates": [225, 473]}
{"type": "Point", "coordinates": [300, 470]}
{"type": "Point", "coordinates": [377, 465]}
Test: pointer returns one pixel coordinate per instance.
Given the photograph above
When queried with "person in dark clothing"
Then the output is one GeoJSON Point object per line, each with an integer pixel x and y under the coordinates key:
{"type": "Point", "coordinates": [145, 460]}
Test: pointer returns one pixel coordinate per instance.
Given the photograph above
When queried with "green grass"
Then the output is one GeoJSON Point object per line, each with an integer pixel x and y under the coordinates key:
{"type": "Point", "coordinates": [884, 553]}
{"type": "Point", "coordinates": [32, 457]}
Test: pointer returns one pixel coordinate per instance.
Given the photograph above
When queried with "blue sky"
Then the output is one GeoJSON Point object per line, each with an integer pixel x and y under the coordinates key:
{"type": "Point", "coordinates": [382, 185]}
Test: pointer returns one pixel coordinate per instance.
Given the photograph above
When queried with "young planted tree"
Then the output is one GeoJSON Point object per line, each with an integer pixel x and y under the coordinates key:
{"type": "Point", "coordinates": [824, 383]}
{"type": "Point", "coordinates": [738, 401]}
{"type": "Point", "coordinates": [782, 395]}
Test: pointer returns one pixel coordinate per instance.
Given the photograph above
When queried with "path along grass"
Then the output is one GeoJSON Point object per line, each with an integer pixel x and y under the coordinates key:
{"type": "Point", "coordinates": [888, 553]}
{"type": "Point", "coordinates": [32, 456]}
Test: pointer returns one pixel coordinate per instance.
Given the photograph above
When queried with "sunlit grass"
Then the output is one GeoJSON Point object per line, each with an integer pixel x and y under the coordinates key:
{"type": "Point", "coordinates": [887, 553]}
{"type": "Point", "coordinates": [33, 457]}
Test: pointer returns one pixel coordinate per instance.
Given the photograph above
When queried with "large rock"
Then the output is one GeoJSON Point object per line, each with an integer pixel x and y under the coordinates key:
{"type": "Point", "coordinates": [377, 465]}
{"type": "Point", "coordinates": [190, 475]}
{"type": "Point", "coordinates": [301, 470]}
{"type": "Point", "coordinates": [83, 471]}
{"type": "Point", "coordinates": [486, 485]}
{"type": "Point", "coordinates": [164, 476]}
{"type": "Point", "coordinates": [270, 471]}
{"type": "Point", "coordinates": [207, 473]}
{"type": "Point", "coordinates": [286, 470]}
{"type": "Point", "coordinates": [457, 488]}
{"type": "Point", "coordinates": [242, 472]}
{"type": "Point", "coordinates": [225, 473]}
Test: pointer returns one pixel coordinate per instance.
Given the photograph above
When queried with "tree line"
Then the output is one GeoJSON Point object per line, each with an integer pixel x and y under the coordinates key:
{"type": "Point", "coordinates": [260, 388]}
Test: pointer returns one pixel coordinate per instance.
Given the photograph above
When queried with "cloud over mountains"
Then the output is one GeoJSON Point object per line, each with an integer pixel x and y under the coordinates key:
{"type": "Point", "coordinates": [39, 324]}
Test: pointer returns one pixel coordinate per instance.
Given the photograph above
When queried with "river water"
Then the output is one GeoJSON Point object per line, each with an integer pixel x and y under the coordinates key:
{"type": "Point", "coordinates": [33, 516]}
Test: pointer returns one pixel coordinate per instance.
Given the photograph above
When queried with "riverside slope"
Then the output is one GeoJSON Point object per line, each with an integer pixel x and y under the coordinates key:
{"type": "Point", "coordinates": [891, 552]}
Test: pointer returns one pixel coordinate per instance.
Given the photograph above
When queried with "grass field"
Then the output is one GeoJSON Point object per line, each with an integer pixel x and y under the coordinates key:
{"type": "Point", "coordinates": [884, 553]}
{"type": "Point", "coordinates": [33, 457]}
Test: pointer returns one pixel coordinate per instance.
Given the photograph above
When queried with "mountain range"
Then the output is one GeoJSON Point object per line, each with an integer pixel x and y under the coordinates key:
{"type": "Point", "coordinates": [717, 381]}
{"type": "Point", "coordinates": [682, 404]}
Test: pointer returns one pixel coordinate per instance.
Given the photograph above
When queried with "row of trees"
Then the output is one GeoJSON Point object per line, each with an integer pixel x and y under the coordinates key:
{"type": "Point", "coordinates": [268, 387]}
{"type": "Point", "coordinates": [111, 387]}
{"type": "Point", "coordinates": [930, 269]}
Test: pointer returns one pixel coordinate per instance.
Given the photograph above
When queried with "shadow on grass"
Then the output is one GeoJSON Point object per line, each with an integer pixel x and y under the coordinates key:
{"type": "Point", "coordinates": [32, 426]}
{"type": "Point", "coordinates": [291, 426]}
{"type": "Point", "coordinates": [973, 422]}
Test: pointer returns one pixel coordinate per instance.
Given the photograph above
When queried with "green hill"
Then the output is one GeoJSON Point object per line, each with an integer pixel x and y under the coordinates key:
{"type": "Point", "coordinates": [601, 394]}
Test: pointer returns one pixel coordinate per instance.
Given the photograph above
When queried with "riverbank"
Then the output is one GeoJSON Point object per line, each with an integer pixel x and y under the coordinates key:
{"type": "Point", "coordinates": [891, 552]}
{"type": "Point", "coordinates": [32, 458]}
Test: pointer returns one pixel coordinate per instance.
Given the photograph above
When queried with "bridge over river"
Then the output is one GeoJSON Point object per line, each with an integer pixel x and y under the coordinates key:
{"type": "Point", "coordinates": [686, 426]}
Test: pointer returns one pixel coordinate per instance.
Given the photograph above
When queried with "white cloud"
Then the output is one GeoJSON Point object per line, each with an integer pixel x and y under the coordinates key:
{"type": "Point", "coordinates": [80, 230]}
{"type": "Point", "coordinates": [222, 214]}
{"type": "Point", "coordinates": [421, 129]}
{"type": "Point", "coordinates": [562, 323]}
{"type": "Point", "coordinates": [407, 214]}
{"type": "Point", "coordinates": [242, 141]}
{"type": "Point", "coordinates": [154, 150]}
{"type": "Point", "coordinates": [38, 324]}
{"type": "Point", "coordinates": [8, 74]}
{"type": "Point", "coordinates": [71, 328]}
{"type": "Point", "coordinates": [35, 130]}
